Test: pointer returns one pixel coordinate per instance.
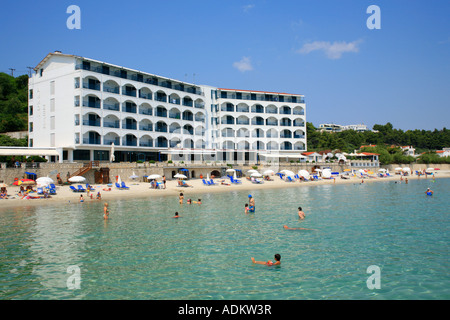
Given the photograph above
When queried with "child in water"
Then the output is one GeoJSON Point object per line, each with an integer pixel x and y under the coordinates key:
{"type": "Point", "coordinates": [269, 263]}
{"type": "Point", "coordinates": [81, 198]}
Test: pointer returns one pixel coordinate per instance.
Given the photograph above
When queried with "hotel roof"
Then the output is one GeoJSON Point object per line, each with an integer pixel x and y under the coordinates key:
{"type": "Point", "coordinates": [255, 91]}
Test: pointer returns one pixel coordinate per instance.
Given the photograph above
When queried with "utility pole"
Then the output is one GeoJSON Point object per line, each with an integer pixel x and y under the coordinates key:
{"type": "Point", "coordinates": [12, 71]}
{"type": "Point", "coordinates": [29, 72]}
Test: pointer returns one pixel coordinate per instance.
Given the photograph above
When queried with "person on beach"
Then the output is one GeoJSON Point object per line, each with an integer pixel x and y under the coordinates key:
{"type": "Point", "coordinates": [164, 181]}
{"type": "Point", "coordinates": [181, 197]}
{"type": "Point", "coordinates": [105, 211]}
{"type": "Point", "coordinates": [277, 262]}
{"type": "Point", "coordinates": [301, 214]}
{"type": "Point", "coordinates": [429, 192]}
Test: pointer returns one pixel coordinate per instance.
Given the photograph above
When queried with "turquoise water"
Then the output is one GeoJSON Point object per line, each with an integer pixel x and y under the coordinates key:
{"type": "Point", "coordinates": [142, 253]}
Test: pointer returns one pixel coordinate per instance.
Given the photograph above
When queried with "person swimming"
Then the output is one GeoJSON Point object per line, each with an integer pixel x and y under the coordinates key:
{"type": "Point", "coordinates": [429, 192]}
{"type": "Point", "coordinates": [176, 215]}
{"type": "Point", "coordinates": [277, 262]}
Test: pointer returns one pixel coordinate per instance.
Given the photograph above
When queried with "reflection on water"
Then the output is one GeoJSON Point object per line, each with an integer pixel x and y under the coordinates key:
{"type": "Point", "coordinates": [143, 253]}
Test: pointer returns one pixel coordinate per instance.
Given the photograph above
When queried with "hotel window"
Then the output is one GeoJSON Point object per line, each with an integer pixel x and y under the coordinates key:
{"type": "Point", "coordinates": [52, 87]}
{"type": "Point", "coordinates": [31, 143]}
{"type": "Point", "coordinates": [52, 139]}
{"type": "Point", "coordinates": [41, 72]}
{"type": "Point", "coordinates": [52, 123]}
{"type": "Point", "coordinates": [223, 95]}
{"type": "Point", "coordinates": [52, 105]}
{"type": "Point", "coordinates": [30, 110]}
{"type": "Point", "coordinates": [31, 93]}
{"type": "Point", "coordinates": [30, 127]}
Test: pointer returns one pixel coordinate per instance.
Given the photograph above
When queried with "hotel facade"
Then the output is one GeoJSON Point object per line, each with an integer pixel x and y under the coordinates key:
{"type": "Point", "coordinates": [90, 110]}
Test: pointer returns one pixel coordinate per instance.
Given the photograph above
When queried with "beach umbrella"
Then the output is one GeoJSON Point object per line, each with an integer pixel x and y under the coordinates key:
{"type": "Point", "coordinates": [398, 169]}
{"type": "Point", "coordinates": [44, 180]}
{"type": "Point", "coordinates": [268, 173]}
{"type": "Point", "coordinates": [318, 170]}
{"type": "Point", "coordinates": [304, 174]}
{"type": "Point", "coordinates": [26, 182]}
{"type": "Point", "coordinates": [231, 170]}
{"type": "Point", "coordinates": [207, 176]}
{"type": "Point", "coordinates": [437, 169]}
{"type": "Point", "coordinates": [111, 152]}
{"type": "Point", "coordinates": [180, 176]}
{"type": "Point", "coordinates": [77, 179]}
{"type": "Point", "coordinates": [133, 176]}
{"type": "Point", "coordinates": [153, 176]}
{"type": "Point", "coordinates": [256, 175]}
{"type": "Point", "coordinates": [382, 169]}
{"type": "Point", "coordinates": [346, 170]}
{"type": "Point", "coordinates": [3, 185]}
{"type": "Point", "coordinates": [406, 169]}
{"type": "Point", "coordinates": [251, 171]}
{"type": "Point", "coordinates": [288, 173]}
{"type": "Point", "coordinates": [326, 173]}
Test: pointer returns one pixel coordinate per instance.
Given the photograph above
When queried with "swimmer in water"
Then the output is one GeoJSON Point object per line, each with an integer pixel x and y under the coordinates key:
{"type": "Point", "coordinates": [105, 211]}
{"type": "Point", "coordinates": [246, 208]}
{"type": "Point", "coordinates": [429, 192]}
{"type": "Point", "coordinates": [181, 197]}
{"type": "Point", "coordinates": [176, 215]}
{"type": "Point", "coordinates": [269, 263]}
{"type": "Point", "coordinates": [81, 198]}
{"type": "Point", "coordinates": [301, 214]}
{"type": "Point", "coordinates": [287, 228]}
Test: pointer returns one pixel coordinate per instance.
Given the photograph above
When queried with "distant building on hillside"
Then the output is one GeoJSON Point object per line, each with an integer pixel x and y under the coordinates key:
{"type": "Point", "coordinates": [331, 127]}
{"type": "Point", "coordinates": [445, 152]}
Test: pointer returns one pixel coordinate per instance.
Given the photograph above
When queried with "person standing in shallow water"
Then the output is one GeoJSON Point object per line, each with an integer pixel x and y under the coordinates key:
{"type": "Point", "coordinates": [105, 211]}
{"type": "Point", "coordinates": [301, 214]}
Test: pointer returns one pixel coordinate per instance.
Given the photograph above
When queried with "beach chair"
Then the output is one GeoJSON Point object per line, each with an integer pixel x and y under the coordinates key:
{"type": "Point", "coordinates": [205, 183]}
{"type": "Point", "coordinates": [118, 186]}
{"type": "Point", "coordinates": [40, 191]}
{"type": "Point", "coordinates": [73, 188]}
{"type": "Point", "coordinates": [80, 188]}
{"type": "Point", "coordinates": [52, 186]}
{"type": "Point", "coordinates": [52, 191]}
{"type": "Point", "coordinates": [124, 186]}
{"type": "Point", "coordinates": [289, 179]}
{"type": "Point", "coordinates": [211, 182]}
{"type": "Point", "coordinates": [89, 187]}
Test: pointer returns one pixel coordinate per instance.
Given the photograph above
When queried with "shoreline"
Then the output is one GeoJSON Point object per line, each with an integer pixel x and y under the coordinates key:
{"type": "Point", "coordinates": [65, 195]}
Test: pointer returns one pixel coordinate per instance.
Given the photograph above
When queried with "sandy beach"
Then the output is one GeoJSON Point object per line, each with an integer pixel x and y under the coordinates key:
{"type": "Point", "coordinates": [64, 195]}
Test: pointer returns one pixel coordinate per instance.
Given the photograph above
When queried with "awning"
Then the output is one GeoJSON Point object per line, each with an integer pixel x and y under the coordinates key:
{"type": "Point", "coordinates": [11, 151]}
{"type": "Point", "coordinates": [268, 155]}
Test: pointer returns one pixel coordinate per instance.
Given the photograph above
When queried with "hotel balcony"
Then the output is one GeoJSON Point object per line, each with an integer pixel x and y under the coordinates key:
{"type": "Point", "coordinates": [111, 106]}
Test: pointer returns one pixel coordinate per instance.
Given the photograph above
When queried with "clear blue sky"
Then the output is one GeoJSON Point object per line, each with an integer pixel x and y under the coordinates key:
{"type": "Point", "coordinates": [322, 49]}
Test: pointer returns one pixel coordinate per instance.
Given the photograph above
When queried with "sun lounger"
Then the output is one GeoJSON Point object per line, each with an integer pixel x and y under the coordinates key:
{"type": "Point", "coordinates": [80, 188]}
{"type": "Point", "coordinates": [236, 181]}
{"type": "Point", "coordinates": [40, 191]}
{"type": "Point", "coordinates": [73, 188]}
{"type": "Point", "coordinates": [124, 186]}
{"type": "Point", "coordinates": [289, 179]}
{"type": "Point", "coordinates": [118, 186]}
{"type": "Point", "coordinates": [211, 182]}
{"type": "Point", "coordinates": [205, 183]}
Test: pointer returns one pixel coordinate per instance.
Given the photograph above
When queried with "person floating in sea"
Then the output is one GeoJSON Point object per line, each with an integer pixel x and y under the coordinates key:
{"type": "Point", "coordinates": [287, 228]}
{"type": "Point", "coordinates": [105, 211]}
{"type": "Point", "coordinates": [176, 215]}
{"type": "Point", "coordinates": [199, 201]}
{"type": "Point", "coordinates": [81, 198]}
{"type": "Point", "coordinates": [301, 214]}
{"type": "Point", "coordinates": [429, 192]}
{"type": "Point", "coordinates": [246, 208]}
{"type": "Point", "coordinates": [277, 262]}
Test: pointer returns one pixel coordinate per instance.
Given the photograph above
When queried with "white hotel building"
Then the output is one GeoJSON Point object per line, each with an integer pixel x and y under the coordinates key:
{"type": "Point", "coordinates": [79, 107]}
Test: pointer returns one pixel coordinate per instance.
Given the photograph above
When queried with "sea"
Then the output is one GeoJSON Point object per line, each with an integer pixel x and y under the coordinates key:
{"type": "Point", "coordinates": [382, 241]}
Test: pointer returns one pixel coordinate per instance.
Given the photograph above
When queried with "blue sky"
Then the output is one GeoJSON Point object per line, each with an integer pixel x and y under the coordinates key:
{"type": "Point", "coordinates": [348, 73]}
